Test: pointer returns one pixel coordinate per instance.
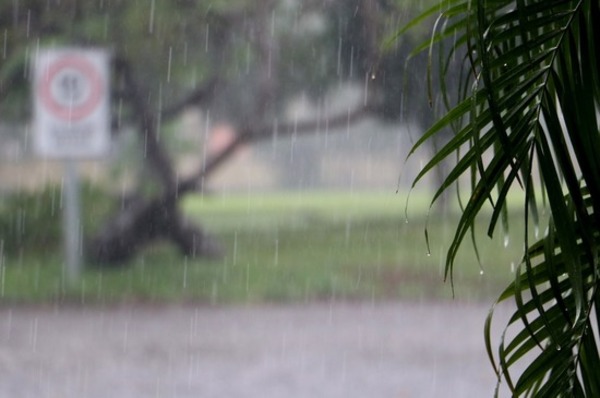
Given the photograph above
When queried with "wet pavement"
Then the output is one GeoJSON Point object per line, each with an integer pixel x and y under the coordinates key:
{"type": "Point", "coordinates": [316, 350]}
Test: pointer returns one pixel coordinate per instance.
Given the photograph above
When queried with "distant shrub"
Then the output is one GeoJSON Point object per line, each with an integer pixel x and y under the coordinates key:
{"type": "Point", "coordinates": [32, 221]}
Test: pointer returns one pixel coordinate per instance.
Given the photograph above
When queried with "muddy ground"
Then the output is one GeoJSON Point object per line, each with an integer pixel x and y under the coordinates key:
{"type": "Point", "coordinates": [316, 350]}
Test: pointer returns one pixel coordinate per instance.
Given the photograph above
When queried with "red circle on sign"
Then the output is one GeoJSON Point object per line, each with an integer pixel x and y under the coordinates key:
{"type": "Point", "coordinates": [88, 104]}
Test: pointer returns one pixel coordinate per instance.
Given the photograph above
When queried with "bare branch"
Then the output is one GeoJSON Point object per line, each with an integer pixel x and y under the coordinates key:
{"type": "Point", "coordinates": [199, 96]}
{"type": "Point", "coordinates": [154, 152]}
{"type": "Point", "coordinates": [252, 135]}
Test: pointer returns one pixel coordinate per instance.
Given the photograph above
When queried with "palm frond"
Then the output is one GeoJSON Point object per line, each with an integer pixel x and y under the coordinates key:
{"type": "Point", "coordinates": [529, 100]}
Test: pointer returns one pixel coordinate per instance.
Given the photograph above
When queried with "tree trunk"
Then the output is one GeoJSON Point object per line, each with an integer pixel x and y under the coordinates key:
{"type": "Point", "coordinates": [142, 222]}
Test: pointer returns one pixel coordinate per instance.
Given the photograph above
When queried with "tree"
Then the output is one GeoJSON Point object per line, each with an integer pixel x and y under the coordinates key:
{"type": "Point", "coordinates": [240, 59]}
{"type": "Point", "coordinates": [527, 119]}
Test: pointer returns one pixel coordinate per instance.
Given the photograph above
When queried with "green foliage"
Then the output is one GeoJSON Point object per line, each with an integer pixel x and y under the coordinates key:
{"type": "Point", "coordinates": [32, 221]}
{"type": "Point", "coordinates": [278, 248]}
{"type": "Point", "coordinates": [176, 46]}
{"type": "Point", "coordinates": [155, 35]}
{"type": "Point", "coordinates": [527, 119]}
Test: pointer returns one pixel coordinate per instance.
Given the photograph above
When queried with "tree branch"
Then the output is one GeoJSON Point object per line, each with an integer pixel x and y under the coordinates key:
{"type": "Point", "coordinates": [197, 97]}
{"type": "Point", "coordinates": [251, 135]}
{"type": "Point", "coordinates": [148, 127]}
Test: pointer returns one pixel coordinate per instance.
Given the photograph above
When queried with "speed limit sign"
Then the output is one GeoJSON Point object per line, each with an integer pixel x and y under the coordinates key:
{"type": "Point", "coordinates": [71, 103]}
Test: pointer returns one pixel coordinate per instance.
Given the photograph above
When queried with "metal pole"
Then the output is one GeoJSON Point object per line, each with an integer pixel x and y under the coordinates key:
{"type": "Point", "coordinates": [72, 222]}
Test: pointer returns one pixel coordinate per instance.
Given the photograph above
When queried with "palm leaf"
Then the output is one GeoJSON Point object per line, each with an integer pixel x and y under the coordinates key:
{"type": "Point", "coordinates": [529, 100]}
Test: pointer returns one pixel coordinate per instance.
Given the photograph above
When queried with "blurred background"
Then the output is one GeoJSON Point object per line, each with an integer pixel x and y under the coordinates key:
{"type": "Point", "coordinates": [258, 157]}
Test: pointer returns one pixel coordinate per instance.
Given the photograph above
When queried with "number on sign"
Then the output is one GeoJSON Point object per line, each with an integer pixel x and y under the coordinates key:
{"type": "Point", "coordinates": [71, 87]}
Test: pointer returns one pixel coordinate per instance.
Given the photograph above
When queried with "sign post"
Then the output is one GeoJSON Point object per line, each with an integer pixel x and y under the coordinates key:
{"type": "Point", "coordinates": [72, 222]}
{"type": "Point", "coordinates": [71, 122]}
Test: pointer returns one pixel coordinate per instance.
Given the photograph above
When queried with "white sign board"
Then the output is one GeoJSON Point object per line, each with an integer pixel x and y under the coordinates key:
{"type": "Point", "coordinates": [71, 103]}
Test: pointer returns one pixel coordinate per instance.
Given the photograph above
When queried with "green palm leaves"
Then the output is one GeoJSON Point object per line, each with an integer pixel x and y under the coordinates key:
{"type": "Point", "coordinates": [527, 117]}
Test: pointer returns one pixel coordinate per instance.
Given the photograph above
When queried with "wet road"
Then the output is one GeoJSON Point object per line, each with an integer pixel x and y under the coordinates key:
{"type": "Point", "coordinates": [316, 350]}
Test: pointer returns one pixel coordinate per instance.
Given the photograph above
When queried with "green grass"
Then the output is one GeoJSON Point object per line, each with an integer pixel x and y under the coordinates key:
{"type": "Point", "coordinates": [283, 247]}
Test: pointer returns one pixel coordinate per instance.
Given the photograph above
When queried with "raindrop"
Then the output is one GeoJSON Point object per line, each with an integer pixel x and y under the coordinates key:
{"type": "Point", "coordinates": [506, 240]}
{"type": "Point", "coordinates": [481, 272]}
{"type": "Point", "coordinates": [235, 248]}
{"type": "Point", "coordinates": [185, 53]}
{"type": "Point", "coordinates": [158, 112]}
{"type": "Point", "coordinates": [82, 296]}
{"type": "Point", "coordinates": [536, 231]}
{"type": "Point", "coordinates": [2, 269]}
{"type": "Point", "coordinates": [193, 365]}
{"type": "Point", "coordinates": [214, 292]}
{"type": "Point", "coordinates": [339, 57]}
{"type": "Point", "coordinates": [206, 38]}
{"type": "Point", "coordinates": [34, 334]}
{"type": "Point", "coordinates": [325, 112]}
{"type": "Point", "coordinates": [145, 144]}
{"type": "Point", "coordinates": [119, 112]}
{"type": "Point", "coordinates": [319, 117]}
{"type": "Point", "coordinates": [26, 67]}
{"type": "Point", "coordinates": [558, 347]}
{"type": "Point", "coordinates": [292, 148]}
{"type": "Point", "coordinates": [36, 278]}
{"type": "Point", "coordinates": [359, 277]}
{"type": "Point", "coordinates": [272, 23]}
{"type": "Point", "coordinates": [169, 64]}
{"type": "Point", "coordinates": [512, 267]}
{"type": "Point", "coordinates": [206, 137]}
{"type": "Point", "coordinates": [295, 131]}
{"type": "Point", "coordinates": [151, 21]}
{"type": "Point", "coordinates": [185, 272]}
{"type": "Point", "coordinates": [270, 63]}
{"type": "Point", "coordinates": [348, 124]}
{"type": "Point", "coordinates": [247, 277]}
{"type": "Point", "coordinates": [351, 73]}
{"type": "Point", "coordinates": [366, 89]}
{"type": "Point", "coordinates": [274, 136]}
{"type": "Point", "coordinates": [194, 78]}
{"type": "Point", "coordinates": [248, 53]}
{"type": "Point", "coordinates": [36, 52]}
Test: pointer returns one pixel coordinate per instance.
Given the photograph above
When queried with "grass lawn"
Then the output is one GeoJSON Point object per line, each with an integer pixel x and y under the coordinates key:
{"type": "Point", "coordinates": [293, 247]}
